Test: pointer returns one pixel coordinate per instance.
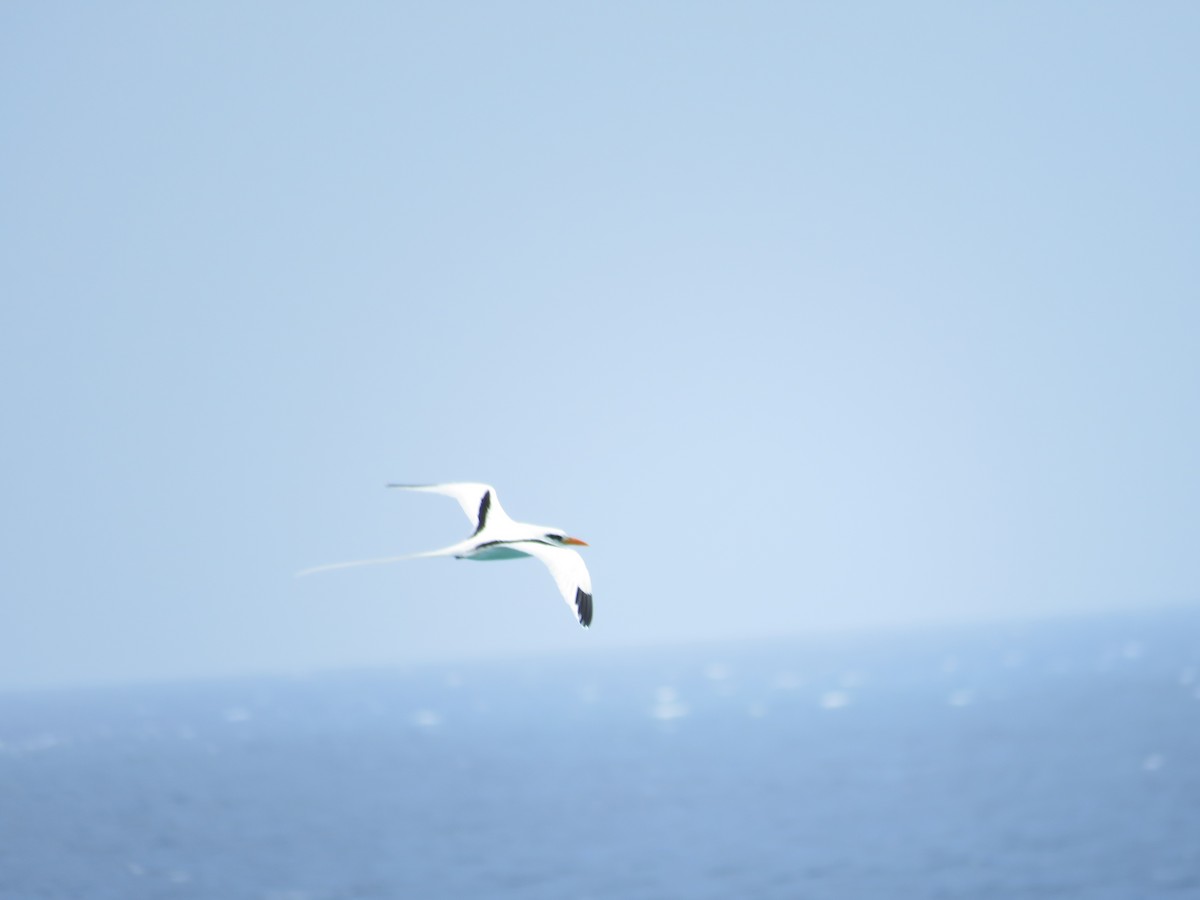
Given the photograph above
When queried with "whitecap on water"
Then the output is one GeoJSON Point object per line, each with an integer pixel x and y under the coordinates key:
{"type": "Point", "coordinates": [717, 671]}
{"type": "Point", "coordinates": [834, 699]}
{"type": "Point", "coordinates": [667, 705]}
{"type": "Point", "coordinates": [426, 718]}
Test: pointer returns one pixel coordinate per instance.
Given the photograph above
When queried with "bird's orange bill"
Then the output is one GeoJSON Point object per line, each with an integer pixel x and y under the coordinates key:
{"type": "Point", "coordinates": [575, 541]}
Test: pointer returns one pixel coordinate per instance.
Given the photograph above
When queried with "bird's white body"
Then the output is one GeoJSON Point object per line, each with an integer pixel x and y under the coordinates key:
{"type": "Point", "coordinates": [497, 536]}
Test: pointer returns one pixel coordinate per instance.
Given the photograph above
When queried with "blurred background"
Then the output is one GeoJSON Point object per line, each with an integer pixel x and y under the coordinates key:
{"type": "Point", "coordinates": [858, 340]}
{"type": "Point", "coordinates": [804, 317]}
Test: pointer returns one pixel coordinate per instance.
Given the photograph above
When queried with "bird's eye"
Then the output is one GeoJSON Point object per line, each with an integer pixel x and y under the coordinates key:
{"type": "Point", "coordinates": [555, 537]}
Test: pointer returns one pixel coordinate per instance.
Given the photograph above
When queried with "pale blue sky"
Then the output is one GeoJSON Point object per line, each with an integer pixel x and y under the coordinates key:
{"type": "Point", "coordinates": [805, 316]}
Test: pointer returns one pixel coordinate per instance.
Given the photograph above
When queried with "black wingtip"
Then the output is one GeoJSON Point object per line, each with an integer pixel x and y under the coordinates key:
{"type": "Point", "coordinates": [485, 504]}
{"type": "Point", "coordinates": [583, 606]}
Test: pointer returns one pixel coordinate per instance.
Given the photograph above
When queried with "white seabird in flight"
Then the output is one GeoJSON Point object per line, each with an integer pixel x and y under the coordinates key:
{"type": "Point", "coordinates": [496, 536]}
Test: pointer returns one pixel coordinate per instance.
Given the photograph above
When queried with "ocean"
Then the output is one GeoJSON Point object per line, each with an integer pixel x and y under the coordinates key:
{"type": "Point", "coordinates": [1052, 759]}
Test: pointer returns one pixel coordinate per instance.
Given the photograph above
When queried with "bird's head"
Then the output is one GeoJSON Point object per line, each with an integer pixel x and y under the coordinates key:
{"type": "Point", "coordinates": [562, 539]}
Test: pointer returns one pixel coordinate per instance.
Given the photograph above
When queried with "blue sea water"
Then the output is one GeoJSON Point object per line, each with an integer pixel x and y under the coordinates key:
{"type": "Point", "coordinates": [1060, 759]}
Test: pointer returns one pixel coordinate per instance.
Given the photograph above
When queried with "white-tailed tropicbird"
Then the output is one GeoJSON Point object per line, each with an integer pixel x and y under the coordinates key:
{"type": "Point", "coordinates": [496, 536]}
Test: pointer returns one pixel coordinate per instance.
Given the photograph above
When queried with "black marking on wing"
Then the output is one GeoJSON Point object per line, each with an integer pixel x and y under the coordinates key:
{"type": "Point", "coordinates": [583, 606]}
{"type": "Point", "coordinates": [484, 506]}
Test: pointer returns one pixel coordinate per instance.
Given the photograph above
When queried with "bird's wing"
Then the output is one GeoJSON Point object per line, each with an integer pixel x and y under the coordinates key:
{"type": "Point", "coordinates": [570, 574]}
{"type": "Point", "coordinates": [477, 500]}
